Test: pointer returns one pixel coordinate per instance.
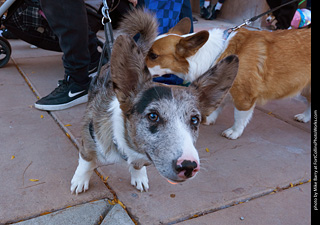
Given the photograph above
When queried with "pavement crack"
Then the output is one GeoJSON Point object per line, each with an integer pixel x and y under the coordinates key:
{"type": "Point", "coordinates": [292, 123]}
{"type": "Point", "coordinates": [232, 203]}
{"type": "Point", "coordinates": [115, 199]}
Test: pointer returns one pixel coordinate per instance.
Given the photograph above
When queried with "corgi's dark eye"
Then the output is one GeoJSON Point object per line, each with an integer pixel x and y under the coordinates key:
{"type": "Point", "coordinates": [195, 121]}
{"type": "Point", "coordinates": [153, 117]}
{"type": "Point", "coordinates": [153, 56]}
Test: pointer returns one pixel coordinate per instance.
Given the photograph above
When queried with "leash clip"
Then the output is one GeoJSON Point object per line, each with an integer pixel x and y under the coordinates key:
{"type": "Point", "coordinates": [245, 23]}
{"type": "Point", "coordinates": [105, 12]}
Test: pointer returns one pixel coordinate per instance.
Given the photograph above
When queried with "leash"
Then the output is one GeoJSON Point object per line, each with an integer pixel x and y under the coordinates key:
{"type": "Point", "coordinates": [251, 20]}
{"type": "Point", "coordinates": [107, 46]}
{"type": "Point", "coordinates": [106, 21]}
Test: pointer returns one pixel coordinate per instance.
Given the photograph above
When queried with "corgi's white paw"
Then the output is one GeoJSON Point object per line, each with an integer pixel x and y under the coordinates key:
{"type": "Point", "coordinates": [139, 179]}
{"type": "Point", "coordinates": [81, 178]}
{"type": "Point", "coordinates": [302, 118]}
{"type": "Point", "coordinates": [305, 116]}
{"type": "Point", "coordinates": [232, 133]}
{"type": "Point", "coordinates": [209, 121]}
{"type": "Point", "coordinates": [80, 183]}
{"type": "Point", "coordinates": [212, 118]}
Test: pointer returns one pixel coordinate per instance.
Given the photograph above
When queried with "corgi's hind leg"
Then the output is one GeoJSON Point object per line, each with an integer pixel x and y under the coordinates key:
{"type": "Point", "coordinates": [241, 119]}
{"type": "Point", "coordinates": [306, 115]}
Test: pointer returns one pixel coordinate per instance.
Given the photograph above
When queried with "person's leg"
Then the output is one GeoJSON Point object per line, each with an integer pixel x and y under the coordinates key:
{"type": "Point", "coordinates": [167, 12]}
{"type": "Point", "coordinates": [186, 11]}
{"type": "Point", "coordinates": [286, 14]}
{"type": "Point", "coordinates": [94, 53]}
{"type": "Point", "coordinates": [205, 10]}
{"type": "Point", "coordinates": [273, 4]}
{"type": "Point", "coordinates": [68, 20]}
{"type": "Point", "coordinates": [117, 14]}
{"type": "Point", "coordinates": [201, 3]}
{"type": "Point", "coordinates": [219, 4]}
{"type": "Point", "coordinates": [309, 4]}
{"type": "Point", "coordinates": [216, 9]}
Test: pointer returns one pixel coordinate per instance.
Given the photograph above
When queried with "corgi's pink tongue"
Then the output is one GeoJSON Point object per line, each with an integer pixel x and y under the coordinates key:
{"type": "Point", "coordinates": [171, 182]}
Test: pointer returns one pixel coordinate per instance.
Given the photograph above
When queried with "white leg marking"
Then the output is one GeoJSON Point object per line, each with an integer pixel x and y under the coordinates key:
{"type": "Point", "coordinates": [139, 178]}
{"type": "Point", "coordinates": [81, 178]}
{"type": "Point", "coordinates": [211, 119]}
{"type": "Point", "coordinates": [305, 116]}
{"type": "Point", "coordinates": [241, 119]}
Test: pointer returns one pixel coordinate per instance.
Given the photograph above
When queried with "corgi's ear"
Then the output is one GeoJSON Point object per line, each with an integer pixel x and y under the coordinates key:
{"type": "Point", "coordinates": [128, 70]}
{"type": "Point", "coordinates": [181, 28]}
{"type": "Point", "coordinates": [188, 46]}
{"type": "Point", "coordinates": [214, 85]}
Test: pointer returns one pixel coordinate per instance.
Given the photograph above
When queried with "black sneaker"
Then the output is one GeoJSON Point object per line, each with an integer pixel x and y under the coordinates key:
{"type": "Point", "coordinates": [214, 14]}
{"type": "Point", "coordinates": [66, 95]}
{"type": "Point", "coordinates": [206, 13]}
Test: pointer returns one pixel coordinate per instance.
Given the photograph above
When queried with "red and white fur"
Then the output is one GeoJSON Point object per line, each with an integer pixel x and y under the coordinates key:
{"type": "Point", "coordinates": [273, 65]}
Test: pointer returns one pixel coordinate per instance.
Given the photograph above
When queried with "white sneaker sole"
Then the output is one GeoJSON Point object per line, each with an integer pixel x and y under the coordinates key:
{"type": "Point", "coordinates": [75, 102]}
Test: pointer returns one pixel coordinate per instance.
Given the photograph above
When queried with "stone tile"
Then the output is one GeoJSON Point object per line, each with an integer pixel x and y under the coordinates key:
{"type": "Point", "coordinates": [72, 119]}
{"type": "Point", "coordinates": [203, 24]}
{"type": "Point", "coordinates": [117, 216]}
{"type": "Point", "coordinates": [283, 208]}
{"type": "Point", "coordinates": [44, 75]}
{"type": "Point", "coordinates": [41, 152]}
{"type": "Point", "coordinates": [270, 153]}
{"type": "Point", "coordinates": [14, 92]}
{"type": "Point", "coordinates": [85, 214]}
{"type": "Point", "coordinates": [286, 109]}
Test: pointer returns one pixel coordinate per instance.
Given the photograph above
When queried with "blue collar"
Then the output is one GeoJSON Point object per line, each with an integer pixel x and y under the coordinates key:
{"type": "Point", "coordinates": [226, 33]}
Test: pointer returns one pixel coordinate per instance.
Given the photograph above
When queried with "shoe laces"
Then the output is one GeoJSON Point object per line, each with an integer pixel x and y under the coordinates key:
{"type": "Point", "coordinates": [62, 85]}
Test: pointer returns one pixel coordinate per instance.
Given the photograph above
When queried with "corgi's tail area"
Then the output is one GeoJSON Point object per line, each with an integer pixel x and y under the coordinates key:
{"type": "Point", "coordinates": [143, 22]}
{"type": "Point", "coordinates": [137, 21]}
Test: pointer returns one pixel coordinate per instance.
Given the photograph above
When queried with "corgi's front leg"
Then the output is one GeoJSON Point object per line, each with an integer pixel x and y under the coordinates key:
{"type": "Point", "coordinates": [241, 119]}
{"type": "Point", "coordinates": [212, 118]}
{"type": "Point", "coordinates": [139, 178]}
{"type": "Point", "coordinates": [81, 178]}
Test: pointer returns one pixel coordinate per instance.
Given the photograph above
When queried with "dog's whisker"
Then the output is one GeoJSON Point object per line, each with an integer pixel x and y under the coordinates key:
{"type": "Point", "coordinates": [156, 91]}
{"type": "Point", "coordinates": [204, 169]}
{"type": "Point", "coordinates": [204, 161]}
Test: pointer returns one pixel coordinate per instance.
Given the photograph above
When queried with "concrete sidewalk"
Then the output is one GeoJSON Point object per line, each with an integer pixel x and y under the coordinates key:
{"type": "Point", "coordinates": [261, 178]}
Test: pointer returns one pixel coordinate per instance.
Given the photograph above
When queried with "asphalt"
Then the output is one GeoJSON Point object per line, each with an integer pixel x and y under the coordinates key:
{"type": "Point", "coordinates": [261, 178]}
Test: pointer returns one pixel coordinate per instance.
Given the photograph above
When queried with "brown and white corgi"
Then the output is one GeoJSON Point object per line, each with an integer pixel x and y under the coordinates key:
{"type": "Point", "coordinates": [273, 65]}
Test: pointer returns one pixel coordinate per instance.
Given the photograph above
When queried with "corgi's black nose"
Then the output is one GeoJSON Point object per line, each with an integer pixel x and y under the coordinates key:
{"type": "Point", "coordinates": [187, 168]}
